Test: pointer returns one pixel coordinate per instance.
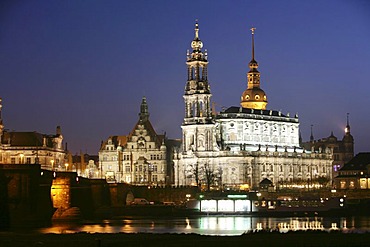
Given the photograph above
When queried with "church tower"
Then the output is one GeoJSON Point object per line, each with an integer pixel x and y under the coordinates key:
{"type": "Point", "coordinates": [253, 97]}
{"type": "Point", "coordinates": [144, 112]}
{"type": "Point", "coordinates": [348, 142]}
{"type": "Point", "coordinates": [198, 122]}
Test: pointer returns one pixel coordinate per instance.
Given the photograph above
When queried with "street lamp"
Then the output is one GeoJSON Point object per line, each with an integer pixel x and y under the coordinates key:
{"type": "Point", "coordinates": [21, 155]}
{"type": "Point", "coordinates": [66, 165]}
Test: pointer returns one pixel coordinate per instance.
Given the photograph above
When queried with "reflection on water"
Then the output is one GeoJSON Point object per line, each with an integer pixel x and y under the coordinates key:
{"type": "Point", "coordinates": [213, 225]}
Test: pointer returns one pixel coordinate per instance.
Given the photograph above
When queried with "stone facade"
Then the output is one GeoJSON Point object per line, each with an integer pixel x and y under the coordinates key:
{"type": "Point", "coordinates": [139, 158]}
{"type": "Point", "coordinates": [240, 146]}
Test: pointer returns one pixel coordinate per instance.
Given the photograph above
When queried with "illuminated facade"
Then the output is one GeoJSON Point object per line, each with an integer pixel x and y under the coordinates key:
{"type": "Point", "coordinates": [139, 158]}
{"type": "Point", "coordinates": [343, 150]}
{"type": "Point", "coordinates": [32, 148]}
{"type": "Point", "coordinates": [240, 146]}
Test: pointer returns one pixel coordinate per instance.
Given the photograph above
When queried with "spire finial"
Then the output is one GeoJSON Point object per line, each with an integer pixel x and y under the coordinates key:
{"type": "Point", "coordinates": [196, 44]}
{"type": "Point", "coordinates": [348, 128]}
{"type": "Point", "coordinates": [311, 137]}
{"type": "Point", "coordinates": [347, 119]}
{"type": "Point", "coordinates": [196, 29]}
{"type": "Point", "coordinates": [253, 29]}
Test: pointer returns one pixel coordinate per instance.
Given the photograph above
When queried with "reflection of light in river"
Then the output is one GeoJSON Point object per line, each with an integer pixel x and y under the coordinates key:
{"type": "Point", "coordinates": [188, 226]}
{"type": "Point", "coordinates": [225, 224]}
{"type": "Point", "coordinates": [212, 225]}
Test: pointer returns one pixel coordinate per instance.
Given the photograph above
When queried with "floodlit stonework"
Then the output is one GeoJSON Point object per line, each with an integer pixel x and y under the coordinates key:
{"type": "Point", "coordinates": [241, 146]}
{"type": "Point", "coordinates": [139, 158]}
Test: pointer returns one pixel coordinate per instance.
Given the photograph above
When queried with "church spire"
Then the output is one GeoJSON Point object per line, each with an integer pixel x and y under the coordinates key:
{"type": "Point", "coordinates": [197, 90]}
{"type": "Point", "coordinates": [253, 97]}
{"type": "Point", "coordinates": [197, 46]}
{"type": "Point", "coordinates": [252, 29]}
{"type": "Point", "coordinates": [144, 113]}
{"type": "Point", "coordinates": [347, 130]}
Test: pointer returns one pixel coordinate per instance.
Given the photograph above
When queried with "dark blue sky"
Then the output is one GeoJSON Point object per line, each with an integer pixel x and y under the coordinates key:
{"type": "Point", "coordinates": [85, 65]}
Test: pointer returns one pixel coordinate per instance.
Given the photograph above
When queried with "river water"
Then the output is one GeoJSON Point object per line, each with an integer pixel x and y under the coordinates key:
{"type": "Point", "coordinates": [212, 225]}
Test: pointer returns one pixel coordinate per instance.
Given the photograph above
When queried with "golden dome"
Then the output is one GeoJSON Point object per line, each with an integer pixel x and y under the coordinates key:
{"type": "Point", "coordinates": [254, 98]}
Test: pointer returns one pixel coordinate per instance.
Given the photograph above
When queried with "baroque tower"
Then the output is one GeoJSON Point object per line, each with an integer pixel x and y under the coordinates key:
{"type": "Point", "coordinates": [198, 121]}
{"type": "Point", "coordinates": [253, 97]}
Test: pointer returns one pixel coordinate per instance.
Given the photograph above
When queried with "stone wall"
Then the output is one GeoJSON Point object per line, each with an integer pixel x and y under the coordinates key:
{"type": "Point", "coordinates": [24, 195]}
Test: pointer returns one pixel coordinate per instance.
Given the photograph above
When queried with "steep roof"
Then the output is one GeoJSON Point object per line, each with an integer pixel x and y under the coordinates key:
{"type": "Point", "coordinates": [116, 140]}
{"type": "Point", "coordinates": [26, 139]}
{"type": "Point", "coordinates": [266, 181]}
{"type": "Point", "coordinates": [158, 139]}
{"type": "Point", "coordinates": [359, 162]}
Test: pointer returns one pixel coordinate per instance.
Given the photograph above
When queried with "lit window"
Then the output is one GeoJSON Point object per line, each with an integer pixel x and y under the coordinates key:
{"type": "Point", "coordinates": [352, 185]}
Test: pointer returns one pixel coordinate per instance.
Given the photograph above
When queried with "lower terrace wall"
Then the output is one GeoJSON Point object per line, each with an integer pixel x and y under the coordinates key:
{"type": "Point", "coordinates": [24, 195]}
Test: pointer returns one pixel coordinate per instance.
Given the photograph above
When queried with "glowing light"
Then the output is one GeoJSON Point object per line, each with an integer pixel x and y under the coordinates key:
{"type": "Point", "coordinates": [237, 196]}
{"type": "Point", "coordinates": [225, 205]}
{"type": "Point", "coordinates": [208, 206]}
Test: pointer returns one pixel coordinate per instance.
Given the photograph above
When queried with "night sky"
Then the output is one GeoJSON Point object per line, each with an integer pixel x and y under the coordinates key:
{"type": "Point", "coordinates": [85, 65]}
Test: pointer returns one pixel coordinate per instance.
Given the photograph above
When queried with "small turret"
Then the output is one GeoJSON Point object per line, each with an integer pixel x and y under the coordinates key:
{"type": "Point", "coordinates": [311, 136]}
{"type": "Point", "coordinates": [348, 138]}
{"type": "Point", "coordinates": [58, 131]}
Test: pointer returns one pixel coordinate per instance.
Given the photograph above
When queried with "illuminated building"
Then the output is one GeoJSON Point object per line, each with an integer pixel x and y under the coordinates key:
{"type": "Point", "coordinates": [343, 150]}
{"type": "Point", "coordinates": [84, 164]}
{"type": "Point", "coordinates": [138, 158]}
{"type": "Point", "coordinates": [240, 146]}
{"type": "Point", "coordinates": [32, 148]}
{"type": "Point", "coordinates": [355, 174]}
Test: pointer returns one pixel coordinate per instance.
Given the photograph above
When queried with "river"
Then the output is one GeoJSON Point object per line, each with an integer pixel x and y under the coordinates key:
{"type": "Point", "coordinates": [209, 225]}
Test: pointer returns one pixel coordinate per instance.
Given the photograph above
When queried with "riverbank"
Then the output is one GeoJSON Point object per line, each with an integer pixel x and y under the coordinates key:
{"type": "Point", "coordinates": [296, 239]}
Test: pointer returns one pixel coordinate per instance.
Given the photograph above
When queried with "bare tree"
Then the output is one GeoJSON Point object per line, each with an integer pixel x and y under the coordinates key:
{"type": "Point", "coordinates": [209, 175]}
{"type": "Point", "coordinates": [195, 172]}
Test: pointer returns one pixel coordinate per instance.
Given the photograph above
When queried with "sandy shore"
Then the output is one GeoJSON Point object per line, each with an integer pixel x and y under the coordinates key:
{"type": "Point", "coordinates": [275, 239]}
